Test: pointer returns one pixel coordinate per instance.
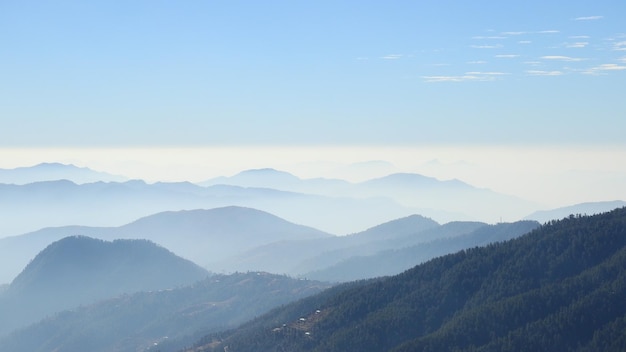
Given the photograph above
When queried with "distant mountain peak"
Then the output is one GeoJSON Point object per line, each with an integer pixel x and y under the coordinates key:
{"type": "Point", "coordinates": [55, 165]}
{"type": "Point", "coordinates": [263, 170]}
{"type": "Point", "coordinates": [53, 171]}
{"type": "Point", "coordinates": [266, 172]}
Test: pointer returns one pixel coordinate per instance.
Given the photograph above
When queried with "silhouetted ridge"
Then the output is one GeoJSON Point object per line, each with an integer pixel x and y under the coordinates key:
{"type": "Point", "coordinates": [78, 259]}
{"type": "Point", "coordinates": [399, 227]}
{"type": "Point", "coordinates": [80, 270]}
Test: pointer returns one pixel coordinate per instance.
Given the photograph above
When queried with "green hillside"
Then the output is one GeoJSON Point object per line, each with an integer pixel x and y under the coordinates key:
{"type": "Point", "coordinates": [559, 288]}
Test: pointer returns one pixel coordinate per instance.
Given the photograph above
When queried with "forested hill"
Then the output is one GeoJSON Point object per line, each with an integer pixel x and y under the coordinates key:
{"type": "Point", "coordinates": [81, 270]}
{"type": "Point", "coordinates": [558, 288]}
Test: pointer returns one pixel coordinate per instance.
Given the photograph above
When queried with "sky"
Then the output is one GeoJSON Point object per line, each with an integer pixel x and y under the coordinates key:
{"type": "Point", "coordinates": [524, 97]}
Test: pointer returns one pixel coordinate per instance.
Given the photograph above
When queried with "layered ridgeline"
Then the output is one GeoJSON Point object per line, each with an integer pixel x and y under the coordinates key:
{"type": "Point", "coordinates": [558, 288]}
{"type": "Point", "coordinates": [203, 236]}
{"type": "Point", "coordinates": [234, 239]}
{"type": "Point", "coordinates": [81, 270]}
{"type": "Point", "coordinates": [165, 320]}
{"type": "Point", "coordinates": [451, 238]}
{"type": "Point", "coordinates": [386, 249]}
{"type": "Point", "coordinates": [333, 206]}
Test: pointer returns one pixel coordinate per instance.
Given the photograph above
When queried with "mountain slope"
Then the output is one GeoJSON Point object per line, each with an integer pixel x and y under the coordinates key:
{"type": "Point", "coordinates": [165, 318]}
{"type": "Point", "coordinates": [560, 287]}
{"type": "Point", "coordinates": [394, 261]}
{"type": "Point", "coordinates": [590, 208]}
{"type": "Point", "coordinates": [290, 256]}
{"type": "Point", "coordinates": [80, 270]}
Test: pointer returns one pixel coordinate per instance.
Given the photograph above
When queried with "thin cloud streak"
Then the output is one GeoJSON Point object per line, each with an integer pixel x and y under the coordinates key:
{"type": "Point", "coordinates": [464, 78]}
{"type": "Point", "coordinates": [608, 67]}
{"type": "Point", "coordinates": [619, 46]}
{"type": "Point", "coordinates": [589, 18]}
{"type": "Point", "coordinates": [486, 73]}
{"type": "Point", "coordinates": [489, 37]}
{"type": "Point", "coordinates": [562, 58]}
{"type": "Point", "coordinates": [577, 45]}
{"type": "Point", "coordinates": [486, 46]}
{"type": "Point", "coordinates": [392, 57]}
{"type": "Point", "coordinates": [544, 73]}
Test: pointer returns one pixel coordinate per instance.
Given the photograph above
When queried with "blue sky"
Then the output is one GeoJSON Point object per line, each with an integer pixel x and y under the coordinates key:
{"type": "Point", "coordinates": [207, 73]}
{"type": "Point", "coordinates": [523, 97]}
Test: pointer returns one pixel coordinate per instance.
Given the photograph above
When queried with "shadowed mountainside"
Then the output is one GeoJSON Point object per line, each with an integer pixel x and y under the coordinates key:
{"type": "Point", "coordinates": [560, 287]}
{"type": "Point", "coordinates": [169, 319]}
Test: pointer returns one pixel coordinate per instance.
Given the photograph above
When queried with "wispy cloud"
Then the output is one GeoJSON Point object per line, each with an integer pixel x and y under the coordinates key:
{"type": "Point", "coordinates": [524, 42]}
{"type": "Point", "coordinates": [507, 56]}
{"type": "Point", "coordinates": [477, 62]}
{"type": "Point", "coordinates": [588, 18]}
{"type": "Point", "coordinates": [604, 69]}
{"type": "Point", "coordinates": [544, 73]}
{"type": "Point", "coordinates": [479, 73]}
{"type": "Point", "coordinates": [463, 78]}
{"type": "Point", "coordinates": [562, 58]}
{"type": "Point", "coordinates": [486, 46]}
{"type": "Point", "coordinates": [392, 56]}
{"type": "Point", "coordinates": [533, 63]}
{"type": "Point", "coordinates": [579, 37]}
{"type": "Point", "coordinates": [619, 46]}
{"type": "Point", "coordinates": [610, 67]}
{"type": "Point", "coordinates": [512, 33]}
{"type": "Point", "coordinates": [550, 31]}
{"type": "Point", "coordinates": [576, 45]}
{"type": "Point", "coordinates": [446, 78]}
{"type": "Point", "coordinates": [488, 37]}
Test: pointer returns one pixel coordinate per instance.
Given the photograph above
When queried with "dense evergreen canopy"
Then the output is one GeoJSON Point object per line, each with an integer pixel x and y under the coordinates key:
{"type": "Point", "coordinates": [558, 288]}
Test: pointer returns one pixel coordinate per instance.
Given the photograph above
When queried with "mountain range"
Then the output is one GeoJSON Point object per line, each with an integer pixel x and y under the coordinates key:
{"type": "Point", "coordinates": [235, 238]}
{"type": "Point", "coordinates": [150, 284]}
{"type": "Point", "coordinates": [334, 206]}
{"type": "Point", "coordinates": [386, 249]}
{"type": "Point", "coordinates": [443, 200]}
{"type": "Point", "coordinates": [231, 239]}
{"type": "Point", "coordinates": [203, 236]}
{"type": "Point", "coordinates": [55, 171]}
{"type": "Point", "coordinates": [59, 203]}
{"type": "Point", "coordinates": [560, 287]}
